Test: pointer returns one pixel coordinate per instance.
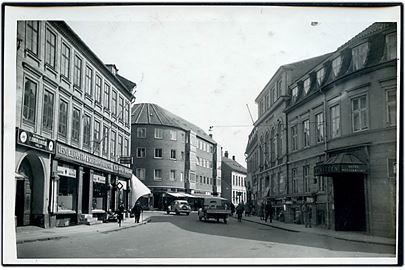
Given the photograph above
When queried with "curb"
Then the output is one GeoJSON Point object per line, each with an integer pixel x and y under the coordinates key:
{"type": "Point", "coordinates": [146, 220]}
{"type": "Point", "coordinates": [40, 239]}
{"type": "Point", "coordinates": [269, 225]}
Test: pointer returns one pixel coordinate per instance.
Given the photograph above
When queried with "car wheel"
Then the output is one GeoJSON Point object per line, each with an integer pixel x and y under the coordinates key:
{"type": "Point", "coordinates": [217, 219]}
{"type": "Point", "coordinates": [177, 212]}
{"type": "Point", "coordinates": [225, 221]}
{"type": "Point", "coordinates": [168, 212]}
{"type": "Point", "coordinates": [187, 213]}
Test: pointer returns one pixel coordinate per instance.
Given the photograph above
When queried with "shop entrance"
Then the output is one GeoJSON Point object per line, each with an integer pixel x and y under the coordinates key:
{"type": "Point", "coordinates": [349, 201]}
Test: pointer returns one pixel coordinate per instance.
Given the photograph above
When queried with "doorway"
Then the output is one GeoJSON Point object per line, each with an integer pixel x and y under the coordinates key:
{"type": "Point", "coordinates": [349, 201]}
{"type": "Point", "coordinates": [23, 198]}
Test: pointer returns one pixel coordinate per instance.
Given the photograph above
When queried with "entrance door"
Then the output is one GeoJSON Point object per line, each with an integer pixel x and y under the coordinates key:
{"type": "Point", "coordinates": [349, 202]}
{"type": "Point", "coordinates": [23, 199]}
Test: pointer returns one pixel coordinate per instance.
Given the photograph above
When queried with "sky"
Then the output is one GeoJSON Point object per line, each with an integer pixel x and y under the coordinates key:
{"type": "Point", "coordinates": [208, 64]}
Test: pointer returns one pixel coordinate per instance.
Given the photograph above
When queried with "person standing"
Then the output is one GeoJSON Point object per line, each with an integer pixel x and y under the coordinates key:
{"type": "Point", "coordinates": [137, 210]}
{"type": "Point", "coordinates": [269, 211]}
{"type": "Point", "coordinates": [120, 212]}
{"type": "Point", "coordinates": [306, 211]}
{"type": "Point", "coordinates": [239, 211]}
{"type": "Point", "coordinates": [261, 210]}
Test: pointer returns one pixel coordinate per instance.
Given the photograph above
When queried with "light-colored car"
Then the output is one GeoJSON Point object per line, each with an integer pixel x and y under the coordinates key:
{"type": "Point", "coordinates": [179, 206]}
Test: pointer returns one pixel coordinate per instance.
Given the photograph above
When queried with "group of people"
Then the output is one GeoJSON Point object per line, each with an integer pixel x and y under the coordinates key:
{"type": "Point", "coordinates": [266, 211]}
{"type": "Point", "coordinates": [136, 211]}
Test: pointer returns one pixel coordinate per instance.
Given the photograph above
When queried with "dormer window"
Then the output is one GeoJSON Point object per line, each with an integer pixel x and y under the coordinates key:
{"type": "Point", "coordinates": [391, 46]}
{"type": "Point", "coordinates": [359, 55]}
{"type": "Point", "coordinates": [336, 65]}
{"type": "Point", "coordinates": [307, 84]}
{"type": "Point", "coordinates": [294, 93]}
{"type": "Point", "coordinates": [320, 75]}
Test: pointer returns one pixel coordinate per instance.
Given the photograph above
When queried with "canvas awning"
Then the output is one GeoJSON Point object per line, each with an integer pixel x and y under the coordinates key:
{"type": "Point", "coordinates": [341, 163]}
{"type": "Point", "coordinates": [180, 194]}
{"type": "Point", "coordinates": [138, 189]}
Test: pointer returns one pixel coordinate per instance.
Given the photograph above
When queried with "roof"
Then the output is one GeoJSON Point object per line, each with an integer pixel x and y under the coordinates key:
{"type": "Point", "coordinates": [152, 114]}
{"type": "Point", "coordinates": [129, 84]}
{"type": "Point", "coordinates": [234, 165]}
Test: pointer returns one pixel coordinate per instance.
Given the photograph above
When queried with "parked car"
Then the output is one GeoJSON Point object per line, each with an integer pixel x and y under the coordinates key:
{"type": "Point", "coordinates": [216, 208]}
{"type": "Point", "coordinates": [179, 206]}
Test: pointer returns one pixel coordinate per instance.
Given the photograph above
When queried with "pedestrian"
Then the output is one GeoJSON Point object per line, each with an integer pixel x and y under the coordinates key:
{"type": "Point", "coordinates": [121, 210]}
{"type": "Point", "coordinates": [232, 209]}
{"type": "Point", "coordinates": [239, 211]}
{"type": "Point", "coordinates": [248, 209]}
{"type": "Point", "coordinates": [261, 211]}
{"type": "Point", "coordinates": [306, 212]}
{"type": "Point", "coordinates": [137, 210]}
{"type": "Point", "coordinates": [269, 211]}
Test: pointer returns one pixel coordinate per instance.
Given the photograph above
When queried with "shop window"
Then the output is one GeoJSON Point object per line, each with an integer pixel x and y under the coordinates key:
{"type": "Point", "coordinates": [99, 192]}
{"type": "Point", "coordinates": [47, 115]}
{"type": "Point", "coordinates": [65, 61]}
{"type": "Point", "coordinates": [77, 72]}
{"type": "Point", "coordinates": [141, 132]}
{"type": "Point", "coordinates": [63, 112]}
{"type": "Point", "coordinates": [359, 113]}
{"type": "Point", "coordinates": [30, 101]}
{"type": "Point", "coordinates": [106, 96]}
{"type": "Point", "coordinates": [391, 98]}
{"type": "Point", "coordinates": [32, 36]}
{"type": "Point", "coordinates": [335, 119]}
{"type": "Point", "coordinates": [76, 125]}
{"type": "Point", "coordinates": [86, 131]}
{"type": "Point", "coordinates": [140, 173]}
{"type": "Point", "coordinates": [391, 46]}
{"type": "Point", "coordinates": [98, 90]}
{"type": "Point", "coordinates": [67, 193]}
{"type": "Point", "coordinates": [359, 55]}
{"type": "Point", "coordinates": [319, 127]}
{"type": "Point", "coordinates": [88, 82]}
{"type": "Point", "coordinates": [50, 48]}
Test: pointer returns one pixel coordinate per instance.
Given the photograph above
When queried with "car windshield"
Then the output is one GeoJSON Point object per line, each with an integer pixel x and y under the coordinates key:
{"type": "Point", "coordinates": [184, 203]}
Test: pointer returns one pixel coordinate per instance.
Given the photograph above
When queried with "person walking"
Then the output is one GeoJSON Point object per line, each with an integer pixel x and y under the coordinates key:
{"type": "Point", "coordinates": [137, 210]}
{"type": "Point", "coordinates": [269, 211]}
{"type": "Point", "coordinates": [306, 212]}
{"type": "Point", "coordinates": [120, 212]}
{"type": "Point", "coordinates": [261, 211]}
{"type": "Point", "coordinates": [239, 211]}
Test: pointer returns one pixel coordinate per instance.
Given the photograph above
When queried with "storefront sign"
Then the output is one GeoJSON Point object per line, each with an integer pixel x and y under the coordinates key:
{"type": "Point", "coordinates": [75, 155]}
{"type": "Point", "coordinates": [35, 141]}
{"type": "Point", "coordinates": [327, 169]}
{"type": "Point", "coordinates": [66, 171]}
{"type": "Point", "coordinates": [99, 179]}
{"type": "Point", "coordinates": [125, 160]}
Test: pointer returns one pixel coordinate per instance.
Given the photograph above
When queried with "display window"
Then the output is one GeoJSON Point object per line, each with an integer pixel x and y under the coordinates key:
{"type": "Point", "coordinates": [99, 192]}
{"type": "Point", "coordinates": [67, 193]}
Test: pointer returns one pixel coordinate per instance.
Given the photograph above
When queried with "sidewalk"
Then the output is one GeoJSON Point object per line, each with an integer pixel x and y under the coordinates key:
{"type": "Point", "coordinates": [33, 233]}
{"type": "Point", "coordinates": [349, 236]}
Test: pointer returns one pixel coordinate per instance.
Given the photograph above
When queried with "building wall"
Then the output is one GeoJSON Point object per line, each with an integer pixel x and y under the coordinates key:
{"type": "Point", "coordinates": [205, 169]}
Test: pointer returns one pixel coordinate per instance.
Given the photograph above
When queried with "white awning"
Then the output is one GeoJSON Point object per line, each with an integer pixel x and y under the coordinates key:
{"type": "Point", "coordinates": [138, 189]}
{"type": "Point", "coordinates": [180, 194]}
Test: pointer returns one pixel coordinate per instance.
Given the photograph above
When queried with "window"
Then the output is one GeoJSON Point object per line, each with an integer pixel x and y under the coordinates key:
{"type": "Point", "coordinates": [181, 176]}
{"type": "Point", "coordinates": [279, 85]}
{"type": "Point", "coordinates": [335, 119]}
{"type": "Point", "coordinates": [392, 107]}
{"type": "Point", "coordinates": [319, 127]}
{"type": "Point", "coordinates": [63, 112]}
{"type": "Point", "coordinates": [158, 133]}
{"type": "Point", "coordinates": [125, 151]}
{"type": "Point", "coordinates": [88, 81]}
{"type": "Point", "coordinates": [201, 179]}
{"type": "Point", "coordinates": [98, 90]}
{"type": "Point", "coordinates": [126, 115]}
{"type": "Point", "coordinates": [158, 174]}
{"type": "Point", "coordinates": [172, 175]}
{"type": "Point", "coordinates": [204, 180]}
{"type": "Point", "coordinates": [306, 178]}
{"type": "Point", "coordinates": [182, 155]}
{"type": "Point", "coordinates": [294, 180]}
{"type": "Point", "coordinates": [140, 152]}
{"type": "Point", "coordinates": [47, 116]}
{"type": "Point", "coordinates": [96, 140]}
{"type": "Point", "coordinates": [173, 154]}
{"type": "Point", "coordinates": [273, 141]}
{"type": "Point", "coordinates": [359, 113]}
{"type": "Point", "coordinates": [305, 126]}
{"type": "Point", "coordinates": [391, 46]}
{"type": "Point", "coordinates": [105, 140]}
{"type": "Point", "coordinates": [32, 36]}
{"type": "Point", "coordinates": [106, 96]}
{"type": "Point", "coordinates": [75, 125]}
{"type": "Point", "coordinates": [359, 55]}
{"type": "Point", "coordinates": [86, 130]}
{"type": "Point", "coordinates": [121, 109]}
{"type": "Point", "coordinates": [294, 94]}
{"type": "Point", "coordinates": [307, 85]}
{"type": "Point", "coordinates": [114, 103]}
{"type": "Point", "coordinates": [65, 61]}
{"type": "Point", "coordinates": [336, 65]}
{"type": "Point", "coordinates": [279, 182]}
{"type": "Point", "coordinates": [173, 135]}
{"type": "Point", "coordinates": [30, 100]}
{"type": "Point", "coordinates": [261, 107]}
{"type": "Point", "coordinates": [77, 72]}
{"type": "Point", "coordinates": [279, 140]}
{"type": "Point", "coordinates": [321, 183]}
{"type": "Point", "coordinates": [158, 153]}
{"type": "Point", "coordinates": [320, 75]}
{"type": "Point", "coordinates": [50, 48]}
{"type": "Point", "coordinates": [141, 132]}
{"type": "Point", "coordinates": [119, 146]}
{"type": "Point", "coordinates": [140, 173]}
{"type": "Point", "coordinates": [273, 93]}
{"type": "Point", "coordinates": [113, 141]}
{"type": "Point", "coordinates": [294, 137]}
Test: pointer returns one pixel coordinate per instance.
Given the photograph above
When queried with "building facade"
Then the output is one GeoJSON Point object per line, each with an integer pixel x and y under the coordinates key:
{"type": "Point", "coordinates": [341, 137]}
{"type": "Point", "coordinates": [233, 180]}
{"type": "Point", "coordinates": [72, 128]}
{"type": "Point", "coordinates": [171, 155]}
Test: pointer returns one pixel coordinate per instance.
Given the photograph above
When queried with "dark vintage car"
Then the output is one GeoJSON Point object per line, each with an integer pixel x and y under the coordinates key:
{"type": "Point", "coordinates": [179, 206]}
{"type": "Point", "coordinates": [214, 208]}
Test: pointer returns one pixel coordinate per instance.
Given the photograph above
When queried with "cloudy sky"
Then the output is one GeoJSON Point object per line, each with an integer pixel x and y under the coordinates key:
{"type": "Point", "coordinates": [206, 63]}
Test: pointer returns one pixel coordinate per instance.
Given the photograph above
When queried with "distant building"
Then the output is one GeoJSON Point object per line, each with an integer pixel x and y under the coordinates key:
{"type": "Point", "coordinates": [340, 138]}
{"type": "Point", "coordinates": [72, 127]}
{"type": "Point", "coordinates": [172, 156]}
{"type": "Point", "coordinates": [233, 180]}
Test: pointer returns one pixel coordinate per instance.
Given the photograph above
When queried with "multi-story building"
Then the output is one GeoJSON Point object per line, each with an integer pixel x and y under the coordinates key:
{"type": "Point", "coordinates": [341, 136]}
{"type": "Point", "coordinates": [233, 180]}
{"type": "Point", "coordinates": [72, 118]}
{"type": "Point", "coordinates": [172, 156]}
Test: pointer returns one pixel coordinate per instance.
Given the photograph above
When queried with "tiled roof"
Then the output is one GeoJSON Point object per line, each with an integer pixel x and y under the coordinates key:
{"type": "Point", "coordinates": [235, 166]}
{"type": "Point", "coordinates": [301, 67]}
{"type": "Point", "coordinates": [129, 84]}
{"type": "Point", "coordinates": [152, 114]}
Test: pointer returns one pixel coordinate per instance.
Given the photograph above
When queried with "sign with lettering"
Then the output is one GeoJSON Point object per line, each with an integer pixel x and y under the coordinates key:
{"type": "Point", "coordinates": [35, 141]}
{"type": "Point", "coordinates": [99, 178]}
{"type": "Point", "coordinates": [126, 160]}
{"type": "Point", "coordinates": [66, 171]}
{"type": "Point", "coordinates": [327, 169]}
{"type": "Point", "coordinates": [78, 156]}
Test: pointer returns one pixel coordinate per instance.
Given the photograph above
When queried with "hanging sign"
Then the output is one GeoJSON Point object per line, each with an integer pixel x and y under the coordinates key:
{"type": "Point", "coordinates": [35, 141]}
{"type": "Point", "coordinates": [66, 171]}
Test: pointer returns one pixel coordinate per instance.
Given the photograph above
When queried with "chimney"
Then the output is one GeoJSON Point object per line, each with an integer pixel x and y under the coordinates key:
{"type": "Point", "coordinates": [210, 135]}
{"type": "Point", "coordinates": [226, 154]}
{"type": "Point", "coordinates": [233, 157]}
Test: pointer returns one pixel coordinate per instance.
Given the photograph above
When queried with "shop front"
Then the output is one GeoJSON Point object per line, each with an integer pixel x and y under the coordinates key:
{"type": "Point", "coordinates": [85, 187]}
